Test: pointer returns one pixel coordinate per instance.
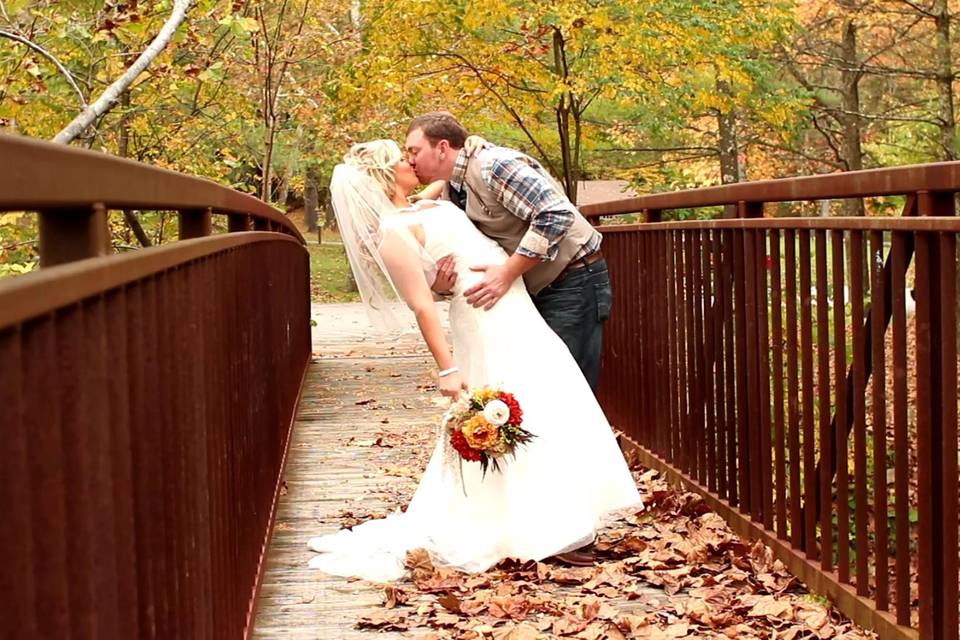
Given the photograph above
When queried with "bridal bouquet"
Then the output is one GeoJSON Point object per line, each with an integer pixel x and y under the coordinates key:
{"type": "Point", "coordinates": [484, 426]}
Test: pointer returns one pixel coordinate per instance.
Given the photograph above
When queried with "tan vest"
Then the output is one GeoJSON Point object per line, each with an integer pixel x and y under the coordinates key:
{"type": "Point", "coordinates": [498, 223]}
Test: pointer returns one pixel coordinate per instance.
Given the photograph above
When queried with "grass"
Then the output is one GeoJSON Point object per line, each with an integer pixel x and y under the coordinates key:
{"type": "Point", "coordinates": [330, 278]}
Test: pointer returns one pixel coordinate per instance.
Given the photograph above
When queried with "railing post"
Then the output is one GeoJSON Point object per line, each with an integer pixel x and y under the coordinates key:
{"type": "Point", "coordinates": [195, 223]}
{"type": "Point", "coordinates": [238, 222]}
{"type": "Point", "coordinates": [261, 224]}
{"type": "Point", "coordinates": [749, 209]}
{"type": "Point", "coordinates": [936, 424]}
{"type": "Point", "coordinates": [653, 215]}
{"type": "Point", "coordinates": [67, 235]}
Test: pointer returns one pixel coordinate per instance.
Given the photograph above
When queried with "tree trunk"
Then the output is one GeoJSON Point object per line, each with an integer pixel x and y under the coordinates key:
{"type": "Point", "coordinates": [577, 153]}
{"type": "Point", "coordinates": [948, 125]}
{"type": "Point", "coordinates": [563, 118]}
{"type": "Point", "coordinates": [123, 150]}
{"type": "Point", "coordinates": [283, 193]}
{"type": "Point", "coordinates": [727, 131]}
{"type": "Point", "coordinates": [310, 199]}
{"type": "Point", "coordinates": [266, 190]}
{"type": "Point", "coordinates": [330, 220]}
{"type": "Point", "coordinates": [109, 97]}
{"type": "Point", "coordinates": [850, 117]}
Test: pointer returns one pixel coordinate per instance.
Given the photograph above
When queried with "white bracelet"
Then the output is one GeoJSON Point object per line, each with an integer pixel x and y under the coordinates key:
{"type": "Point", "coordinates": [447, 372]}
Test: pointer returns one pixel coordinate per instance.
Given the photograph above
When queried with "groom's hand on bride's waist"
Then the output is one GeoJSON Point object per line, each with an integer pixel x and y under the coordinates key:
{"type": "Point", "coordinates": [494, 285]}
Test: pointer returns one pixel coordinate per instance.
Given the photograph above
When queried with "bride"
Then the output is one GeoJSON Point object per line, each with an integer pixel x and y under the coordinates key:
{"type": "Point", "coordinates": [553, 495]}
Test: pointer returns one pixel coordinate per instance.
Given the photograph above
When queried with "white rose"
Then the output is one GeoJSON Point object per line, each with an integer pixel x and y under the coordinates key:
{"type": "Point", "coordinates": [496, 412]}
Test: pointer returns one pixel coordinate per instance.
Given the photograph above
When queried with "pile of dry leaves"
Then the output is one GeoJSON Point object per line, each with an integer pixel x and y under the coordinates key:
{"type": "Point", "coordinates": [674, 570]}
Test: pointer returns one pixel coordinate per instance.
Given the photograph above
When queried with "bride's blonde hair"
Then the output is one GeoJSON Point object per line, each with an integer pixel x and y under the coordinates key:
{"type": "Point", "coordinates": [378, 159]}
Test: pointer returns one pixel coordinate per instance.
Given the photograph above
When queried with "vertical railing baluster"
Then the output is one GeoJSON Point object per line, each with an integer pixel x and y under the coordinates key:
{"type": "Point", "coordinates": [719, 298]}
{"type": "Point", "coordinates": [824, 411]}
{"type": "Point", "coordinates": [750, 428]}
{"type": "Point", "coordinates": [793, 389]}
{"type": "Point", "coordinates": [777, 347]}
{"type": "Point", "coordinates": [684, 331]}
{"type": "Point", "coordinates": [708, 356]}
{"type": "Point", "coordinates": [674, 379]}
{"type": "Point", "coordinates": [901, 440]}
{"type": "Point", "coordinates": [733, 405]}
{"type": "Point", "coordinates": [806, 365]}
{"type": "Point", "coordinates": [763, 353]}
{"type": "Point", "coordinates": [840, 393]}
{"type": "Point", "coordinates": [741, 368]}
{"type": "Point", "coordinates": [696, 359]}
{"type": "Point", "coordinates": [878, 310]}
{"type": "Point", "coordinates": [859, 410]}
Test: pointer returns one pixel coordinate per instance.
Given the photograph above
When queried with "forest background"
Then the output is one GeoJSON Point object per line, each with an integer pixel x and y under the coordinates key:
{"type": "Point", "coordinates": [666, 94]}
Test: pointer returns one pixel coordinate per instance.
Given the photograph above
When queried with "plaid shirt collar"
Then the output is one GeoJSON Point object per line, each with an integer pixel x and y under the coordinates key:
{"type": "Point", "coordinates": [459, 170]}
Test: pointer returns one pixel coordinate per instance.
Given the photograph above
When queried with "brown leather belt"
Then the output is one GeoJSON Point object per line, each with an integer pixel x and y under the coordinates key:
{"type": "Point", "coordinates": [580, 263]}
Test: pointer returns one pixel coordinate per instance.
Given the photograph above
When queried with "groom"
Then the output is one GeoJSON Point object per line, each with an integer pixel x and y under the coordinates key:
{"type": "Point", "coordinates": [514, 201]}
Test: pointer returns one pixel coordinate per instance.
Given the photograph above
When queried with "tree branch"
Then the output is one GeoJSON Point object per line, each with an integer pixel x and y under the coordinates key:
{"type": "Point", "coordinates": [109, 97]}
{"type": "Point", "coordinates": [52, 58]}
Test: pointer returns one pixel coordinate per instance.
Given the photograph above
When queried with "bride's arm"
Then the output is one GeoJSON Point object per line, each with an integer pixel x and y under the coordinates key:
{"type": "Point", "coordinates": [403, 265]}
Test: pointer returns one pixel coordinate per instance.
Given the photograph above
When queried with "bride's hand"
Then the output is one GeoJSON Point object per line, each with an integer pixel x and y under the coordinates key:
{"type": "Point", "coordinates": [452, 385]}
{"type": "Point", "coordinates": [432, 191]}
{"type": "Point", "coordinates": [473, 144]}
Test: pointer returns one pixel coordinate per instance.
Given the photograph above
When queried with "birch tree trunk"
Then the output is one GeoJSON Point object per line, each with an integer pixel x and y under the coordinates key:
{"type": "Point", "coordinates": [111, 94]}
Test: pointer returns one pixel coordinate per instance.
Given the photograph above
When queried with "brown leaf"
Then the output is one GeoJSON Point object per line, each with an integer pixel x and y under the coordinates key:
{"type": "Point", "coordinates": [393, 620]}
{"type": "Point", "coordinates": [510, 607]}
{"type": "Point", "coordinates": [568, 626]}
{"type": "Point", "coordinates": [771, 607]}
{"type": "Point", "coordinates": [677, 630]}
{"type": "Point", "coordinates": [394, 596]}
{"type": "Point", "coordinates": [518, 632]}
{"type": "Point", "coordinates": [442, 580]}
{"type": "Point", "coordinates": [419, 563]}
{"type": "Point", "coordinates": [450, 602]}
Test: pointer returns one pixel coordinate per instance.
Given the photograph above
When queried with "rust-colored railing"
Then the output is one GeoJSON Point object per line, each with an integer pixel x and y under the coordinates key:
{"type": "Point", "coordinates": [146, 401]}
{"type": "Point", "coordinates": [782, 368]}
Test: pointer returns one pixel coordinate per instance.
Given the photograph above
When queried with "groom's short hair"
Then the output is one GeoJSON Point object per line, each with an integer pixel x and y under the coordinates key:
{"type": "Point", "coordinates": [440, 125]}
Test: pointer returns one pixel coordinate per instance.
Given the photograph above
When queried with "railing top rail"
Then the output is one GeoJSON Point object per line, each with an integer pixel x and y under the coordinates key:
{"type": "Point", "coordinates": [931, 223]}
{"type": "Point", "coordinates": [38, 175]}
{"type": "Point", "coordinates": [934, 177]}
{"type": "Point", "coordinates": [70, 283]}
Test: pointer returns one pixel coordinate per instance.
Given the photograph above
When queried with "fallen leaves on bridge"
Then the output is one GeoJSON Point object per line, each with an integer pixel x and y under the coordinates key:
{"type": "Point", "coordinates": [674, 570]}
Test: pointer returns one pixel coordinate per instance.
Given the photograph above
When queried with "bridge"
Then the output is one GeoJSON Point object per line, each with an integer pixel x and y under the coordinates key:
{"type": "Point", "coordinates": [783, 368]}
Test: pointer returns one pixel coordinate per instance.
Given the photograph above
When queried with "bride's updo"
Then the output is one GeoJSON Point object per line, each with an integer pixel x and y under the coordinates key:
{"type": "Point", "coordinates": [377, 159]}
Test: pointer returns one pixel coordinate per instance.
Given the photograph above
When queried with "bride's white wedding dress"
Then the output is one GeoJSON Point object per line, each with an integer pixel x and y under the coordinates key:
{"type": "Point", "coordinates": [553, 495]}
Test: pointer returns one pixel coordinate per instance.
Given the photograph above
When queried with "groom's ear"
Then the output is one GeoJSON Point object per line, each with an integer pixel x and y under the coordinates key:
{"type": "Point", "coordinates": [443, 146]}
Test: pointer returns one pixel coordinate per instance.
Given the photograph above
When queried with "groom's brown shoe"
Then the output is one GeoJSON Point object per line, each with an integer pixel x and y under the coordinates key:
{"type": "Point", "coordinates": [578, 558]}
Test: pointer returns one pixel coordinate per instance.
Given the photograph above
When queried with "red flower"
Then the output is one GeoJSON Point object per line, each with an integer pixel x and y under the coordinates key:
{"type": "Point", "coordinates": [466, 452]}
{"type": "Point", "coordinates": [516, 414]}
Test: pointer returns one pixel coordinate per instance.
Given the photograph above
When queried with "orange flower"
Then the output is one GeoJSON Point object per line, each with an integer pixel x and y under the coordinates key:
{"type": "Point", "coordinates": [480, 434]}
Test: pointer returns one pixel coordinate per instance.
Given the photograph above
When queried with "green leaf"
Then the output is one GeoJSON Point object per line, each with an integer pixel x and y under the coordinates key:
{"type": "Point", "coordinates": [248, 24]}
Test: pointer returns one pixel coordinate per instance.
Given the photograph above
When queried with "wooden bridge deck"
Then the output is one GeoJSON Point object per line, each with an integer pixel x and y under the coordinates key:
{"type": "Point", "coordinates": [335, 468]}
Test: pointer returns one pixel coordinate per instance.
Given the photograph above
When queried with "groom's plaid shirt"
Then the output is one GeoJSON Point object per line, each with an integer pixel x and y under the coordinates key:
{"type": "Point", "coordinates": [525, 189]}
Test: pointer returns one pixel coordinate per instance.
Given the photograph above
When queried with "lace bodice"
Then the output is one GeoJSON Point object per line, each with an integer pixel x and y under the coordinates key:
{"type": "Point", "coordinates": [448, 231]}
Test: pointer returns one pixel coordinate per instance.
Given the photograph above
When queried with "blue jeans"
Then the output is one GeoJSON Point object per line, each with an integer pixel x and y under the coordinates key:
{"type": "Point", "coordinates": [575, 306]}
